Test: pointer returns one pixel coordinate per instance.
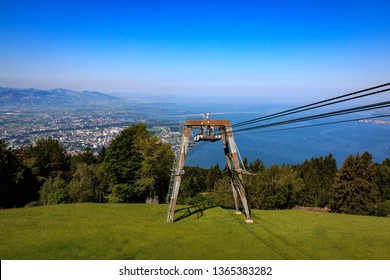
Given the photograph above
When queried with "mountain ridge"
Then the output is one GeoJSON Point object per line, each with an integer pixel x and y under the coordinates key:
{"type": "Point", "coordinates": [56, 96]}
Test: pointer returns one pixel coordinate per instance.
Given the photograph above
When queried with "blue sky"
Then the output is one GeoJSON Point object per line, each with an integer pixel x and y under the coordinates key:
{"type": "Point", "coordinates": [264, 50]}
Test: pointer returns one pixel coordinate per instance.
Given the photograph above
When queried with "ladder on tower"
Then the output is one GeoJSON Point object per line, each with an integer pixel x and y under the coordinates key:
{"type": "Point", "coordinates": [170, 197]}
{"type": "Point", "coordinates": [174, 173]}
{"type": "Point", "coordinates": [174, 169]}
{"type": "Point", "coordinates": [171, 183]}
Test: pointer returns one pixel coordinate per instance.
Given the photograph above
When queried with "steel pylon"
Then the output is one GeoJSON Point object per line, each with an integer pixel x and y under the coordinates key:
{"type": "Point", "coordinates": [231, 156]}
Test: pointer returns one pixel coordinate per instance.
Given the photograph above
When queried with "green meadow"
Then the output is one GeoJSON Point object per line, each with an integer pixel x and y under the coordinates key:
{"type": "Point", "coordinates": [140, 232]}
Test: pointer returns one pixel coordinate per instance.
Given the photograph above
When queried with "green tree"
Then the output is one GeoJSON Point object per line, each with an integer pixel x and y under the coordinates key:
{"type": "Point", "coordinates": [193, 181]}
{"type": "Point", "coordinates": [383, 208]}
{"type": "Point", "coordinates": [53, 191]}
{"type": "Point", "coordinates": [354, 190]}
{"type": "Point", "coordinates": [101, 155]}
{"type": "Point", "coordinates": [103, 185]}
{"type": "Point", "coordinates": [285, 186]}
{"type": "Point", "coordinates": [383, 179]}
{"type": "Point", "coordinates": [17, 184]}
{"type": "Point", "coordinates": [138, 165]}
{"type": "Point", "coordinates": [155, 171]}
{"type": "Point", "coordinates": [46, 157]}
{"type": "Point", "coordinates": [252, 181]}
{"type": "Point", "coordinates": [9, 175]}
{"type": "Point", "coordinates": [261, 192]}
{"type": "Point", "coordinates": [86, 157]}
{"type": "Point", "coordinates": [278, 187]}
{"type": "Point", "coordinates": [123, 157]}
{"type": "Point", "coordinates": [84, 185]}
{"type": "Point", "coordinates": [318, 175]}
{"type": "Point", "coordinates": [256, 166]}
{"type": "Point", "coordinates": [214, 174]}
{"type": "Point", "coordinates": [222, 193]}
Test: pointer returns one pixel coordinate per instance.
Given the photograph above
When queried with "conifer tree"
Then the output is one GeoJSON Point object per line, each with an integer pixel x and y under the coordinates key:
{"type": "Point", "coordinates": [354, 190]}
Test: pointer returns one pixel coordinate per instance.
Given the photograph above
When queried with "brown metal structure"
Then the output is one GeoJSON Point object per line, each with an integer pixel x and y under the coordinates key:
{"type": "Point", "coordinates": [231, 155]}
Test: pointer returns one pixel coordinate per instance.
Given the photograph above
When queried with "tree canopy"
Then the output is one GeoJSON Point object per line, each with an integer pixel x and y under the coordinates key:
{"type": "Point", "coordinates": [354, 190]}
{"type": "Point", "coordinates": [137, 164]}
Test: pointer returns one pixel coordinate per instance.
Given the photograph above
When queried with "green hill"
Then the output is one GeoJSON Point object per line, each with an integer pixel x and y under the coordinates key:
{"type": "Point", "coordinates": [140, 231]}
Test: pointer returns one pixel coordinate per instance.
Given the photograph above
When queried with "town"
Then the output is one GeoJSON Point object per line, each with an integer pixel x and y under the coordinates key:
{"type": "Point", "coordinates": [77, 129]}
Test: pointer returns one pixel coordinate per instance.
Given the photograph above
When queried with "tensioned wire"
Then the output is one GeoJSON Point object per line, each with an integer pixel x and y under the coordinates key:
{"type": "Point", "coordinates": [318, 104]}
{"type": "Point", "coordinates": [321, 116]}
{"type": "Point", "coordinates": [320, 124]}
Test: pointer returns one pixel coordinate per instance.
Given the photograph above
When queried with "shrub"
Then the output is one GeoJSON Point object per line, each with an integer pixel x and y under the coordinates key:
{"type": "Point", "coordinates": [383, 208]}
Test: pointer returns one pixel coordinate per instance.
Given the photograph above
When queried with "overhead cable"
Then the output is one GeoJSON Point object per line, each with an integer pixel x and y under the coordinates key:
{"type": "Point", "coordinates": [319, 124]}
{"type": "Point", "coordinates": [318, 104]}
{"type": "Point", "coordinates": [320, 116]}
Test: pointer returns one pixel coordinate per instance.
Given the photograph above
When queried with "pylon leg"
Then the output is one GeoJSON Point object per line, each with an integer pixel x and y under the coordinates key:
{"type": "Point", "coordinates": [235, 195]}
{"type": "Point", "coordinates": [244, 201]}
{"type": "Point", "coordinates": [178, 173]}
{"type": "Point", "coordinates": [235, 172]}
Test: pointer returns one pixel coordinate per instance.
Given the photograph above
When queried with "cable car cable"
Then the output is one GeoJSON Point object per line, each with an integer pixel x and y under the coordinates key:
{"type": "Point", "coordinates": [320, 124]}
{"type": "Point", "coordinates": [312, 105]}
{"type": "Point", "coordinates": [320, 116]}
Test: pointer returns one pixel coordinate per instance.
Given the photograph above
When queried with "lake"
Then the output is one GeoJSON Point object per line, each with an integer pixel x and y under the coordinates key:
{"type": "Point", "coordinates": [288, 146]}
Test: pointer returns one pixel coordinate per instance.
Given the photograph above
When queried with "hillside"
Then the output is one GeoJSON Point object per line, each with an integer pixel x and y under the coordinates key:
{"type": "Point", "coordinates": [140, 231]}
{"type": "Point", "coordinates": [54, 97]}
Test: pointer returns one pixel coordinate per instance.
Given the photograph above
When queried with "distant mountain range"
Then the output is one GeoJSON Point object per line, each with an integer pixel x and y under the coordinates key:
{"type": "Point", "coordinates": [54, 97]}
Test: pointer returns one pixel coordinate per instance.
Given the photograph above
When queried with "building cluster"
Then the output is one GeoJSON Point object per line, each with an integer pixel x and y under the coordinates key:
{"type": "Point", "coordinates": [76, 130]}
{"type": "Point", "coordinates": [375, 121]}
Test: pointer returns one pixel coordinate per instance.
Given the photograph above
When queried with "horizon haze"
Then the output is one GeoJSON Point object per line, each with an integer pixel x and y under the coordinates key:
{"type": "Point", "coordinates": [228, 50]}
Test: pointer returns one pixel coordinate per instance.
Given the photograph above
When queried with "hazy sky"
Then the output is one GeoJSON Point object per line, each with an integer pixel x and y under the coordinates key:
{"type": "Point", "coordinates": [267, 49]}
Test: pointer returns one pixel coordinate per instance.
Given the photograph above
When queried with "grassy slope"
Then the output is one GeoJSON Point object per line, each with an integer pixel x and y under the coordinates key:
{"type": "Point", "coordinates": [140, 231]}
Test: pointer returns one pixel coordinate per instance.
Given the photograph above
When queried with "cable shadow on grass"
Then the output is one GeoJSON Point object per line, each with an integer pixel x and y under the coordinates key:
{"type": "Point", "coordinates": [191, 210]}
{"type": "Point", "coordinates": [283, 239]}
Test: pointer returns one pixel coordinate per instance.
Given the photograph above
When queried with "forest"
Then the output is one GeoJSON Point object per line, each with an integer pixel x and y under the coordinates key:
{"type": "Point", "coordinates": [137, 164]}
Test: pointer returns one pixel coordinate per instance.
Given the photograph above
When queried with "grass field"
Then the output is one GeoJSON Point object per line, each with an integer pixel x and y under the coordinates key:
{"type": "Point", "coordinates": [140, 231]}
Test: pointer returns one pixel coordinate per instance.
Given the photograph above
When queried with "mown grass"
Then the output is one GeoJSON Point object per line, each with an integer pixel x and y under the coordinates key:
{"type": "Point", "coordinates": [140, 231]}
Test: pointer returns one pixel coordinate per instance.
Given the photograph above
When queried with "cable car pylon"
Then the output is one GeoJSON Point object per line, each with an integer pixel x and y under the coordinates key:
{"type": "Point", "coordinates": [207, 129]}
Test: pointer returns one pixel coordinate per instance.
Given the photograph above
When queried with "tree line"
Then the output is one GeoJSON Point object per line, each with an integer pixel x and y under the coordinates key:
{"type": "Point", "coordinates": [359, 187]}
{"type": "Point", "coordinates": [138, 164]}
